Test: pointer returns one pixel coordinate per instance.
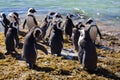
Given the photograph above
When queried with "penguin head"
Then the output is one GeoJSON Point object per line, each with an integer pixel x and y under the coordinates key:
{"type": "Point", "coordinates": [12, 17]}
{"type": "Point", "coordinates": [31, 10]}
{"type": "Point", "coordinates": [80, 25]}
{"type": "Point", "coordinates": [52, 15]}
{"type": "Point", "coordinates": [69, 16]}
{"type": "Point", "coordinates": [89, 21]}
{"type": "Point", "coordinates": [2, 15]}
{"type": "Point", "coordinates": [84, 34]}
{"type": "Point", "coordinates": [58, 15]}
{"type": "Point", "coordinates": [37, 33]}
{"type": "Point", "coordinates": [16, 14]}
{"type": "Point", "coordinates": [56, 25]}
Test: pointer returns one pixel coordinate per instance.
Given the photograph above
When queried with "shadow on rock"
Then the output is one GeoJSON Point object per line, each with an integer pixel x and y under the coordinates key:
{"type": "Point", "coordinates": [64, 72]}
{"type": "Point", "coordinates": [2, 56]}
{"type": "Point", "coordinates": [20, 45]}
{"type": "Point", "coordinates": [17, 56]}
{"type": "Point", "coordinates": [103, 47]}
{"type": "Point", "coordinates": [106, 73]}
{"type": "Point", "coordinates": [45, 69]}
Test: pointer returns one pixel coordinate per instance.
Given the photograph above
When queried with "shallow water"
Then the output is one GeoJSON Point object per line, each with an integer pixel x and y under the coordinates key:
{"type": "Point", "coordinates": [102, 10]}
{"type": "Point", "coordinates": [95, 8]}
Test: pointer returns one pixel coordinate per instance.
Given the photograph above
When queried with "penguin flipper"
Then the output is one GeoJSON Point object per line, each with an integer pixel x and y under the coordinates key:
{"type": "Point", "coordinates": [41, 47]}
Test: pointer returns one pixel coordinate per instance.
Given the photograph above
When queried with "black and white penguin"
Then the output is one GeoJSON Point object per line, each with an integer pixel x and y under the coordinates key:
{"type": "Point", "coordinates": [87, 52]}
{"type": "Point", "coordinates": [29, 46]}
{"type": "Point", "coordinates": [13, 18]}
{"type": "Point", "coordinates": [44, 27]}
{"type": "Point", "coordinates": [5, 22]}
{"type": "Point", "coordinates": [68, 26]}
{"type": "Point", "coordinates": [56, 39]}
{"type": "Point", "coordinates": [76, 34]}
{"type": "Point", "coordinates": [54, 17]}
{"type": "Point", "coordinates": [93, 29]}
{"type": "Point", "coordinates": [17, 19]}
{"type": "Point", "coordinates": [11, 40]}
{"type": "Point", "coordinates": [30, 20]}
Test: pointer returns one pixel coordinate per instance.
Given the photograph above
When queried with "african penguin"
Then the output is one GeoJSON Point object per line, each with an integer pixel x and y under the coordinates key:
{"type": "Point", "coordinates": [93, 29]}
{"type": "Point", "coordinates": [57, 17]}
{"type": "Point", "coordinates": [30, 20]}
{"type": "Point", "coordinates": [87, 52]}
{"type": "Point", "coordinates": [5, 22]}
{"type": "Point", "coordinates": [14, 23]}
{"type": "Point", "coordinates": [76, 34]}
{"type": "Point", "coordinates": [44, 27]}
{"type": "Point", "coordinates": [68, 26]}
{"type": "Point", "coordinates": [56, 39]}
{"type": "Point", "coordinates": [11, 40]}
{"type": "Point", "coordinates": [29, 46]}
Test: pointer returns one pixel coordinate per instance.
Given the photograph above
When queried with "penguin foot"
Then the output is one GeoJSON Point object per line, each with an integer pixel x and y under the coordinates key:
{"type": "Point", "coordinates": [31, 66]}
{"type": "Point", "coordinates": [14, 53]}
{"type": "Point", "coordinates": [7, 53]}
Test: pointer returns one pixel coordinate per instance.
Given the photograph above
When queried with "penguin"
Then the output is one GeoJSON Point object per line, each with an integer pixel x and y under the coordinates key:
{"type": "Point", "coordinates": [68, 26]}
{"type": "Point", "coordinates": [30, 20]}
{"type": "Point", "coordinates": [56, 39]}
{"type": "Point", "coordinates": [11, 40]}
{"type": "Point", "coordinates": [76, 34]}
{"type": "Point", "coordinates": [44, 27]}
{"type": "Point", "coordinates": [29, 46]}
{"type": "Point", "coordinates": [17, 19]}
{"type": "Point", "coordinates": [55, 17]}
{"type": "Point", "coordinates": [87, 52]}
{"type": "Point", "coordinates": [93, 29]}
{"type": "Point", "coordinates": [5, 22]}
{"type": "Point", "coordinates": [13, 18]}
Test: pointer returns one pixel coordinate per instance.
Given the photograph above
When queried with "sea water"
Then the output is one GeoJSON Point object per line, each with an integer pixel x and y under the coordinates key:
{"type": "Point", "coordinates": [103, 10]}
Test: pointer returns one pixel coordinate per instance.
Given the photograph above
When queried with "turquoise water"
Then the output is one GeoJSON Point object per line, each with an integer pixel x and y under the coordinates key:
{"type": "Point", "coordinates": [101, 9]}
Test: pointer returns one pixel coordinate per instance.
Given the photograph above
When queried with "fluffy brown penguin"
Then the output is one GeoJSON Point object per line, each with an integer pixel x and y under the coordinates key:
{"type": "Point", "coordinates": [93, 29]}
{"type": "Point", "coordinates": [29, 46]}
{"type": "Point", "coordinates": [87, 52]}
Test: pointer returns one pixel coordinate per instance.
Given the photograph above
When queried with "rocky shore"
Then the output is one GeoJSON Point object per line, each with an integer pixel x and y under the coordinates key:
{"type": "Point", "coordinates": [50, 67]}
